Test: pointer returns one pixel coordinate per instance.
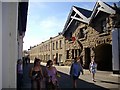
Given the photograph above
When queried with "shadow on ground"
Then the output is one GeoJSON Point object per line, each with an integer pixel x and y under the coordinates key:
{"type": "Point", "coordinates": [65, 81]}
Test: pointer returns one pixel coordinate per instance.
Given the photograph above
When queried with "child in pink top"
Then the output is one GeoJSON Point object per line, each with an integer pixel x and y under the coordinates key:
{"type": "Point", "coordinates": [51, 76]}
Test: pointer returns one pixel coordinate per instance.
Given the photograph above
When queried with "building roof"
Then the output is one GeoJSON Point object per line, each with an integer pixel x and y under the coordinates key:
{"type": "Point", "coordinates": [85, 12]}
{"type": "Point", "coordinates": [101, 7]}
{"type": "Point", "coordinates": [86, 16]}
{"type": "Point", "coordinates": [78, 14]}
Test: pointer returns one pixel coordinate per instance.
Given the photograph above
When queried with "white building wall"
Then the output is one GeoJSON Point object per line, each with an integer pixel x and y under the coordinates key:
{"type": "Point", "coordinates": [9, 44]}
{"type": "Point", "coordinates": [115, 49]}
{"type": "Point", "coordinates": [0, 46]}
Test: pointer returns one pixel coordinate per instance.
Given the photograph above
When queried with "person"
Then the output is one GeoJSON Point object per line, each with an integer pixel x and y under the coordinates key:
{"type": "Point", "coordinates": [93, 68]}
{"type": "Point", "coordinates": [36, 75]}
{"type": "Point", "coordinates": [51, 76]}
{"type": "Point", "coordinates": [19, 74]}
{"type": "Point", "coordinates": [75, 71]}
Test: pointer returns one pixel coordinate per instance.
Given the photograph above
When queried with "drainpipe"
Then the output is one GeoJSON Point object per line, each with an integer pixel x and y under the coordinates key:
{"type": "Point", "coordinates": [118, 72]}
{"type": "Point", "coordinates": [116, 50]}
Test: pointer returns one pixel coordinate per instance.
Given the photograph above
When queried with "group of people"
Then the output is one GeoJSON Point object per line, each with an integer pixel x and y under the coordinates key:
{"type": "Point", "coordinates": [47, 78]}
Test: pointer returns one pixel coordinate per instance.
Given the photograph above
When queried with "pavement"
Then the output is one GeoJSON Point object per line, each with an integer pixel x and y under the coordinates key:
{"type": "Point", "coordinates": [104, 79]}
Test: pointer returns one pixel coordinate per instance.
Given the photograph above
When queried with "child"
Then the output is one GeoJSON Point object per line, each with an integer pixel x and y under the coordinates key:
{"type": "Point", "coordinates": [93, 68]}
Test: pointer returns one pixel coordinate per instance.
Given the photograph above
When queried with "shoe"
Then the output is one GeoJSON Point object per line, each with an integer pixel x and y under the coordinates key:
{"type": "Point", "coordinates": [93, 80]}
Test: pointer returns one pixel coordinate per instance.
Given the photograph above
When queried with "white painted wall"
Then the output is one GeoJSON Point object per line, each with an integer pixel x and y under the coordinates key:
{"type": "Point", "coordinates": [0, 46]}
{"type": "Point", "coordinates": [9, 43]}
{"type": "Point", "coordinates": [115, 49]}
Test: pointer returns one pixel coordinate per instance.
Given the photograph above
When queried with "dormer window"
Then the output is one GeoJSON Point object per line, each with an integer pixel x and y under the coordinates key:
{"type": "Point", "coordinates": [103, 26]}
{"type": "Point", "coordinates": [81, 33]}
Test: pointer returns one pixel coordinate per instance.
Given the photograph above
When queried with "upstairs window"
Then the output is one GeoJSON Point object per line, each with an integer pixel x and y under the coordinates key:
{"type": "Point", "coordinates": [81, 33]}
{"type": "Point", "coordinates": [53, 46]}
{"type": "Point", "coordinates": [56, 45]}
{"type": "Point", "coordinates": [60, 44]}
{"type": "Point", "coordinates": [70, 35]}
{"type": "Point", "coordinates": [103, 26]}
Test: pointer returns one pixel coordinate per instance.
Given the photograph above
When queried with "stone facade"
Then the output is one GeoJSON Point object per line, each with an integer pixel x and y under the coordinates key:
{"type": "Point", "coordinates": [83, 36]}
{"type": "Point", "coordinates": [91, 36]}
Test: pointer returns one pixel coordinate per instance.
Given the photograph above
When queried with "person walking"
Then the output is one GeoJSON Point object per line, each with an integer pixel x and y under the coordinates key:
{"type": "Point", "coordinates": [51, 76]}
{"type": "Point", "coordinates": [75, 71]}
{"type": "Point", "coordinates": [93, 68]}
{"type": "Point", "coordinates": [36, 75]}
{"type": "Point", "coordinates": [19, 74]}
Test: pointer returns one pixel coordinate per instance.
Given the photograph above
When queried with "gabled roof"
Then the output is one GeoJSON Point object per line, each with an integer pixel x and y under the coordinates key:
{"type": "Point", "coordinates": [87, 16]}
{"type": "Point", "coordinates": [101, 6]}
{"type": "Point", "coordinates": [85, 12]}
{"type": "Point", "coordinates": [79, 14]}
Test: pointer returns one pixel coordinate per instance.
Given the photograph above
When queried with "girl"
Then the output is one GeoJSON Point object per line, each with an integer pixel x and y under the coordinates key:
{"type": "Point", "coordinates": [51, 76]}
{"type": "Point", "coordinates": [36, 75]}
{"type": "Point", "coordinates": [93, 68]}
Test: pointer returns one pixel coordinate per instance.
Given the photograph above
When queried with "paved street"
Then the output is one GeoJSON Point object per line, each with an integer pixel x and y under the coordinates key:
{"type": "Point", "coordinates": [104, 80]}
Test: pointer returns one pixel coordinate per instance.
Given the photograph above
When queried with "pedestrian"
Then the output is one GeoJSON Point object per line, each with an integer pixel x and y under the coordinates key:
{"type": "Point", "coordinates": [36, 75]}
{"type": "Point", "coordinates": [93, 68]}
{"type": "Point", "coordinates": [75, 71]}
{"type": "Point", "coordinates": [51, 76]}
{"type": "Point", "coordinates": [19, 74]}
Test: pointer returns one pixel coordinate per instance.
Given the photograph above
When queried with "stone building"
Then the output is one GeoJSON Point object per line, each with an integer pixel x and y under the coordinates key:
{"type": "Point", "coordinates": [86, 34]}
{"type": "Point", "coordinates": [53, 49]}
{"type": "Point", "coordinates": [89, 33]}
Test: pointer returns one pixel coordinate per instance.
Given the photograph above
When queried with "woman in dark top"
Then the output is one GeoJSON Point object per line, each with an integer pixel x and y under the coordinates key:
{"type": "Point", "coordinates": [36, 75]}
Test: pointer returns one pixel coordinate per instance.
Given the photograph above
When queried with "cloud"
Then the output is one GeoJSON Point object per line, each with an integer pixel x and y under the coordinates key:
{"type": "Point", "coordinates": [51, 24]}
{"type": "Point", "coordinates": [42, 31]}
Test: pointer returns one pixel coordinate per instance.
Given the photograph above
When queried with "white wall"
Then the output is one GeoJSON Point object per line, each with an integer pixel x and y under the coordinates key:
{"type": "Point", "coordinates": [115, 49]}
{"type": "Point", "coordinates": [0, 46]}
{"type": "Point", "coordinates": [9, 43]}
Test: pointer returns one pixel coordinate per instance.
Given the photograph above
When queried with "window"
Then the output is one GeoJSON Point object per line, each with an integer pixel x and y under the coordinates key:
{"type": "Point", "coordinates": [53, 46]}
{"type": "Point", "coordinates": [56, 45]}
{"type": "Point", "coordinates": [67, 54]}
{"type": "Point", "coordinates": [60, 44]}
{"type": "Point", "coordinates": [81, 33]}
{"type": "Point", "coordinates": [70, 36]}
{"type": "Point", "coordinates": [49, 47]}
{"type": "Point", "coordinates": [103, 26]}
{"type": "Point", "coordinates": [60, 57]}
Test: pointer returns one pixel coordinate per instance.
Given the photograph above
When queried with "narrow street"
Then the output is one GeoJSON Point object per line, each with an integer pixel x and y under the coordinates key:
{"type": "Point", "coordinates": [104, 80]}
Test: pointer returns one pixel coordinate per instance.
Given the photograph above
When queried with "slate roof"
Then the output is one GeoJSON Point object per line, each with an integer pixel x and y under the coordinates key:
{"type": "Point", "coordinates": [85, 12]}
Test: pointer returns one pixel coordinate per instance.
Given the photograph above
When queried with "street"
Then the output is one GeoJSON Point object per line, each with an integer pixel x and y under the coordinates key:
{"type": "Point", "coordinates": [104, 80]}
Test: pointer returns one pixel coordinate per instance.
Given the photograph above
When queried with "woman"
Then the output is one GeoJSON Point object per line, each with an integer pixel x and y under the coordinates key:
{"type": "Point", "coordinates": [93, 68]}
{"type": "Point", "coordinates": [51, 76]}
{"type": "Point", "coordinates": [36, 75]}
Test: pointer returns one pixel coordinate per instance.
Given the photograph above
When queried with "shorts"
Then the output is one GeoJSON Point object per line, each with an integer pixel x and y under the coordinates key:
{"type": "Point", "coordinates": [75, 77]}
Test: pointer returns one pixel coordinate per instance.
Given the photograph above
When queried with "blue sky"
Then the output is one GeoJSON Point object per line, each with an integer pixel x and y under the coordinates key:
{"type": "Point", "coordinates": [47, 19]}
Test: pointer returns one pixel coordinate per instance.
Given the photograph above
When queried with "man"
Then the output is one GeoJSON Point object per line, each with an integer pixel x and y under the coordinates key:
{"type": "Point", "coordinates": [75, 71]}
